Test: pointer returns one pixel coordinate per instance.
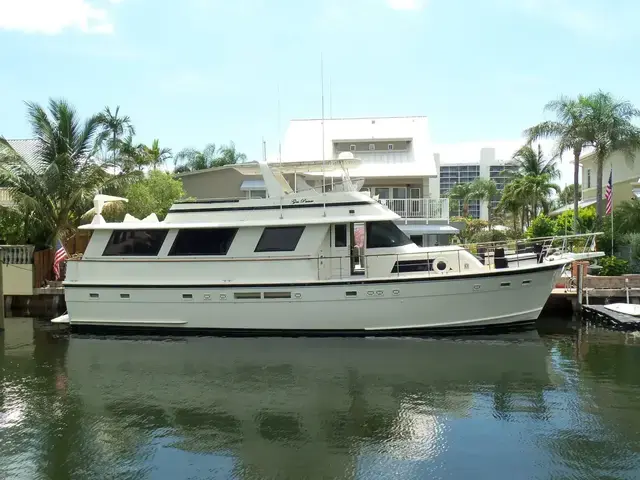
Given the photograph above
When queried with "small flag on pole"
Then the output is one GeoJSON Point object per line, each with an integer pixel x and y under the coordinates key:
{"type": "Point", "coordinates": [608, 193]}
{"type": "Point", "coordinates": [59, 257]}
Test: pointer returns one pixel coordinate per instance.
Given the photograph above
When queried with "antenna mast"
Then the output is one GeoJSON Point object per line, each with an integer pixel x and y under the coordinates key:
{"type": "Point", "coordinates": [279, 148]}
{"type": "Point", "coordinates": [324, 200]}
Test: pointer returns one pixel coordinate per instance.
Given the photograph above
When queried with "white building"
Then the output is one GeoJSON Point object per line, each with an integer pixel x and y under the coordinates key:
{"type": "Point", "coordinates": [465, 162]}
{"type": "Point", "coordinates": [398, 165]}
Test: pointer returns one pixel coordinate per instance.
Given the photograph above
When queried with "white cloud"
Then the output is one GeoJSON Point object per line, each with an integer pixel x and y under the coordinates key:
{"type": "Point", "coordinates": [51, 17]}
{"type": "Point", "coordinates": [407, 4]}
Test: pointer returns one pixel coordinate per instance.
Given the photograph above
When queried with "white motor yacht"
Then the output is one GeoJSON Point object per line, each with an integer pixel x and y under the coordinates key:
{"type": "Point", "coordinates": [291, 264]}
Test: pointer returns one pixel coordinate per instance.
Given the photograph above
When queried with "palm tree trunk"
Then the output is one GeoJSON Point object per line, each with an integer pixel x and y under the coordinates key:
{"type": "Point", "coordinates": [576, 188]}
{"type": "Point", "coordinates": [599, 204]}
{"type": "Point", "coordinates": [114, 152]}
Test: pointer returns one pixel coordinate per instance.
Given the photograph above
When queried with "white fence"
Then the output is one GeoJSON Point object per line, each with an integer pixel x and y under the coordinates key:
{"type": "Point", "coordinates": [419, 208]}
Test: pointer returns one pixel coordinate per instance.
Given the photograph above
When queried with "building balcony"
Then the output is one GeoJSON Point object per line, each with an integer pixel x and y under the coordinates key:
{"type": "Point", "coordinates": [419, 208]}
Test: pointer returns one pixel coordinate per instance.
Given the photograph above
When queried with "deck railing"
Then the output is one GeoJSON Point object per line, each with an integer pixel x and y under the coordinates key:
{"type": "Point", "coordinates": [16, 254]}
{"type": "Point", "coordinates": [418, 208]}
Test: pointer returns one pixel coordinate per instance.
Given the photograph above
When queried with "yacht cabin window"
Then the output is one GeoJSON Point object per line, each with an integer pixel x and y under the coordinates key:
{"type": "Point", "coordinates": [203, 241]}
{"type": "Point", "coordinates": [385, 234]}
{"type": "Point", "coordinates": [340, 232]}
{"type": "Point", "coordinates": [279, 239]}
{"type": "Point", "coordinates": [136, 243]}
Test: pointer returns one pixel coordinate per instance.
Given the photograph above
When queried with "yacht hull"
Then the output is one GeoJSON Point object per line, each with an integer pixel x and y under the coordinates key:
{"type": "Point", "coordinates": [364, 307]}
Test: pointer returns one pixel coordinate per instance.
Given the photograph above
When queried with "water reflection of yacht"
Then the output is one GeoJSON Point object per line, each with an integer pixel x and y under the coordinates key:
{"type": "Point", "coordinates": [291, 403]}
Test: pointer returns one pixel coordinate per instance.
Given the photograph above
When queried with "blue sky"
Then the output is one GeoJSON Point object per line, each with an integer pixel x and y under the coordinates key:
{"type": "Point", "coordinates": [191, 72]}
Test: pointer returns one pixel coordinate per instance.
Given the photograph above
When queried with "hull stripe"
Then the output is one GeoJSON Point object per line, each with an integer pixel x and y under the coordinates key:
{"type": "Point", "coordinates": [426, 331]}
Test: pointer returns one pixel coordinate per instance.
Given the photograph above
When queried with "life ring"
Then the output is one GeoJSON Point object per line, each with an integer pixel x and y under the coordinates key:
{"type": "Point", "coordinates": [440, 265]}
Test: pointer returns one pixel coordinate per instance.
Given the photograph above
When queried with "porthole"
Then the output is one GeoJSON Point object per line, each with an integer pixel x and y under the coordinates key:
{"type": "Point", "coordinates": [440, 265]}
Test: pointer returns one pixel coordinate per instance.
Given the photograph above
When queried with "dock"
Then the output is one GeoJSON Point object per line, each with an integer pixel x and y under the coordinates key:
{"type": "Point", "coordinates": [599, 315]}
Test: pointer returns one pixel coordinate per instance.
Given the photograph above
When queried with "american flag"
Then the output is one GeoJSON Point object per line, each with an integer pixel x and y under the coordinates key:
{"type": "Point", "coordinates": [608, 193]}
{"type": "Point", "coordinates": [60, 256]}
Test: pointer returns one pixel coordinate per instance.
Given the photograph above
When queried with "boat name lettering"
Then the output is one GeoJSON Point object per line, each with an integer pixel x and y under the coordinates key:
{"type": "Point", "coordinates": [295, 201]}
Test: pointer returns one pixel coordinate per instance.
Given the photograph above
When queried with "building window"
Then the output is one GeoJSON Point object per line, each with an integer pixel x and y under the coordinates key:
{"type": "Point", "coordinates": [588, 178]}
{"type": "Point", "coordinates": [372, 146]}
{"type": "Point", "coordinates": [390, 146]}
{"type": "Point", "coordinates": [340, 233]}
{"type": "Point", "coordinates": [385, 235]}
{"type": "Point", "coordinates": [279, 239]}
{"type": "Point", "coordinates": [203, 241]}
{"type": "Point", "coordinates": [140, 243]}
{"type": "Point", "coordinates": [352, 148]}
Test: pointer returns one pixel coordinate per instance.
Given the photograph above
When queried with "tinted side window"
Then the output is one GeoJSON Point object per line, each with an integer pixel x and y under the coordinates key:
{"type": "Point", "coordinates": [135, 243]}
{"type": "Point", "coordinates": [385, 235]}
{"type": "Point", "coordinates": [279, 239]}
{"type": "Point", "coordinates": [203, 241]}
{"type": "Point", "coordinates": [341, 235]}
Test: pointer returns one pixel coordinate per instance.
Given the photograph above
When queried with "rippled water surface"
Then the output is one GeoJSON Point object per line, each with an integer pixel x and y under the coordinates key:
{"type": "Point", "coordinates": [558, 403]}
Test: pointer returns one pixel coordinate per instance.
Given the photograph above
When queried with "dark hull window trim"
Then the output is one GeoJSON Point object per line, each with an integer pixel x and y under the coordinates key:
{"type": "Point", "coordinates": [271, 207]}
{"type": "Point", "coordinates": [431, 278]}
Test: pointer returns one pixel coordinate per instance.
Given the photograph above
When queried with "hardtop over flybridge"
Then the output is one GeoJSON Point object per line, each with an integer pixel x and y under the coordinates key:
{"type": "Point", "coordinates": [302, 261]}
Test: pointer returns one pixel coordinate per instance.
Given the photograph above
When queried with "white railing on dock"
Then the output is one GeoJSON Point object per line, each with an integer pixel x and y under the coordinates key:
{"type": "Point", "coordinates": [17, 254]}
{"type": "Point", "coordinates": [5, 197]}
{"type": "Point", "coordinates": [418, 208]}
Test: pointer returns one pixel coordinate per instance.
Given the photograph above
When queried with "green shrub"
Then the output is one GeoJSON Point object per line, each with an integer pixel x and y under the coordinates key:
{"type": "Point", "coordinates": [612, 266]}
{"type": "Point", "coordinates": [586, 221]}
{"type": "Point", "coordinates": [542, 226]}
{"type": "Point", "coordinates": [486, 236]}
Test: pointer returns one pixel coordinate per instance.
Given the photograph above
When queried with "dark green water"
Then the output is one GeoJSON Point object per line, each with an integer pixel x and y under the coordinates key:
{"type": "Point", "coordinates": [561, 403]}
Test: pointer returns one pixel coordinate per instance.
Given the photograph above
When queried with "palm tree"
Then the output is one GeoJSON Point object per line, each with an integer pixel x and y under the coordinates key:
{"type": "Point", "coordinates": [59, 186]}
{"type": "Point", "coordinates": [156, 155]}
{"type": "Point", "coordinates": [570, 132]}
{"type": "Point", "coordinates": [529, 162]}
{"type": "Point", "coordinates": [132, 157]}
{"type": "Point", "coordinates": [228, 155]}
{"type": "Point", "coordinates": [463, 192]}
{"type": "Point", "coordinates": [485, 190]}
{"type": "Point", "coordinates": [114, 129]}
{"type": "Point", "coordinates": [609, 128]}
{"type": "Point", "coordinates": [628, 217]}
{"type": "Point", "coordinates": [567, 195]}
{"type": "Point", "coordinates": [512, 203]}
{"type": "Point", "coordinates": [189, 159]}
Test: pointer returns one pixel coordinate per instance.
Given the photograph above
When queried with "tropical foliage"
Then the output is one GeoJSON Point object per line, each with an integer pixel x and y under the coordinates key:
{"type": "Point", "coordinates": [598, 121]}
{"type": "Point", "coordinates": [52, 193]}
{"type": "Point", "coordinates": [75, 160]}
{"type": "Point", "coordinates": [531, 186]}
{"type": "Point", "coordinates": [153, 194]}
{"type": "Point", "coordinates": [541, 226]}
{"type": "Point", "coordinates": [612, 266]}
{"type": "Point", "coordinates": [189, 159]}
